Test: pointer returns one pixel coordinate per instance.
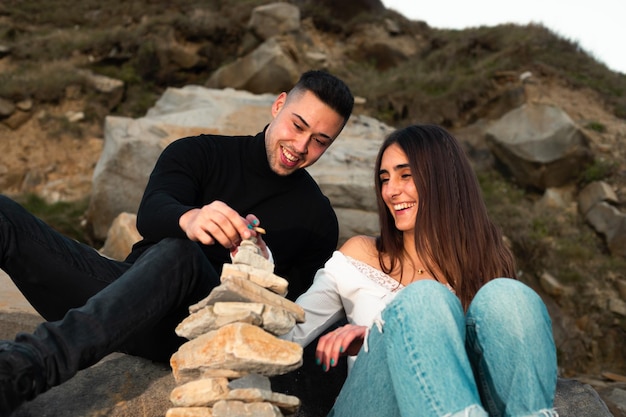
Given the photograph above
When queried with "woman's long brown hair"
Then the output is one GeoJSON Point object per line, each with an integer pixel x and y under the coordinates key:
{"type": "Point", "coordinates": [454, 235]}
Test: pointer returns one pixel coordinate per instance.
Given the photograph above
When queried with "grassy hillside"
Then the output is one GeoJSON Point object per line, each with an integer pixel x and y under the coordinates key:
{"type": "Point", "coordinates": [452, 81]}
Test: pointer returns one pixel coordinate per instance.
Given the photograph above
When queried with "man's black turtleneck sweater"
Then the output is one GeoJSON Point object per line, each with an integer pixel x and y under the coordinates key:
{"type": "Point", "coordinates": [302, 229]}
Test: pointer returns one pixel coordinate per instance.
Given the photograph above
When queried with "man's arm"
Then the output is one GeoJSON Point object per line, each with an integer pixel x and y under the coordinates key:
{"type": "Point", "coordinates": [173, 189]}
{"type": "Point", "coordinates": [173, 206]}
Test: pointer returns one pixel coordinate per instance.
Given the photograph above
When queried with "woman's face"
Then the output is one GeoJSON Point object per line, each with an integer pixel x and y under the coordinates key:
{"type": "Point", "coordinates": [397, 187]}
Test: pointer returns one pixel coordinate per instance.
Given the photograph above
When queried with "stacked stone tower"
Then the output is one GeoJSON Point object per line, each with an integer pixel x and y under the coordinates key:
{"type": "Point", "coordinates": [233, 348]}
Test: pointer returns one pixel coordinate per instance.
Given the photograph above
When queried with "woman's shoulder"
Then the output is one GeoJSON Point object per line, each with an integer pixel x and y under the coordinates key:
{"type": "Point", "coordinates": [361, 248]}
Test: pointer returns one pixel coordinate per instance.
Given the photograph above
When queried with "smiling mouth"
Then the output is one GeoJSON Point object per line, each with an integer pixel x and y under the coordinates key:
{"type": "Point", "coordinates": [402, 206]}
{"type": "Point", "coordinates": [289, 157]}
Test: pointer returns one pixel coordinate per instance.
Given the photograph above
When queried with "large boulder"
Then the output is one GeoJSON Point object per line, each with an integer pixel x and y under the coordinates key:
{"type": "Point", "coordinates": [611, 223]}
{"type": "Point", "coordinates": [118, 386]}
{"type": "Point", "coordinates": [274, 19]}
{"type": "Point", "coordinates": [267, 69]}
{"type": "Point", "coordinates": [540, 145]}
{"type": "Point", "coordinates": [132, 146]}
{"type": "Point", "coordinates": [382, 46]}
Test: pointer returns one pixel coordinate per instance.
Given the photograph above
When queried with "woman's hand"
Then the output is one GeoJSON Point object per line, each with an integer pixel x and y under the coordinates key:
{"type": "Point", "coordinates": [346, 340]}
{"type": "Point", "coordinates": [257, 232]}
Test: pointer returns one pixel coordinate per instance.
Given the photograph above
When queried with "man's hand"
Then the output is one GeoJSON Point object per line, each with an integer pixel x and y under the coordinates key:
{"type": "Point", "coordinates": [217, 223]}
{"type": "Point", "coordinates": [346, 340]}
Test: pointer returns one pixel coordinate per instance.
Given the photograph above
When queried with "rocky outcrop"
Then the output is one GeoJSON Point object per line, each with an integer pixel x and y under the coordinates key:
{"type": "Point", "coordinates": [577, 399]}
{"type": "Point", "coordinates": [266, 69]}
{"type": "Point", "coordinates": [274, 19]}
{"type": "Point", "coordinates": [540, 145]}
{"type": "Point", "coordinates": [312, 50]}
{"type": "Point", "coordinates": [266, 65]}
{"type": "Point", "coordinates": [597, 203]}
{"type": "Point", "coordinates": [121, 237]}
{"type": "Point", "coordinates": [132, 146]}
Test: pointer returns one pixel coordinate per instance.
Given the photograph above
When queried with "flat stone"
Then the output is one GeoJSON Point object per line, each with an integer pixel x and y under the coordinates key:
{"type": "Point", "coordinates": [251, 381]}
{"type": "Point", "coordinates": [241, 409]}
{"type": "Point", "coordinates": [200, 393]}
{"type": "Point", "coordinates": [277, 320]}
{"type": "Point", "coordinates": [206, 320]}
{"type": "Point", "coordinates": [237, 307]}
{"type": "Point", "coordinates": [238, 347]}
{"type": "Point", "coordinates": [287, 404]}
{"type": "Point", "coordinates": [237, 289]}
{"type": "Point", "coordinates": [189, 412]}
{"type": "Point", "coordinates": [248, 257]}
{"type": "Point", "coordinates": [265, 279]}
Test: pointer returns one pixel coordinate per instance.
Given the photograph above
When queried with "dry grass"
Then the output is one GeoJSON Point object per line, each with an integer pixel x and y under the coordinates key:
{"type": "Point", "coordinates": [455, 75]}
{"type": "Point", "coordinates": [449, 83]}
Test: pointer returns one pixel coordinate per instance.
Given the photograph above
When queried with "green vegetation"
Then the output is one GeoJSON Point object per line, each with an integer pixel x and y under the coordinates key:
{"type": "Point", "coordinates": [450, 79]}
{"type": "Point", "coordinates": [456, 71]}
{"type": "Point", "coordinates": [596, 127]}
{"type": "Point", "coordinates": [599, 170]}
{"type": "Point", "coordinates": [546, 239]}
{"type": "Point", "coordinates": [446, 82]}
{"type": "Point", "coordinates": [42, 82]}
{"type": "Point", "coordinates": [64, 217]}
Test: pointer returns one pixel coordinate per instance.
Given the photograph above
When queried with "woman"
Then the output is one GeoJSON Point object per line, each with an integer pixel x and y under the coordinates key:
{"type": "Point", "coordinates": [438, 329]}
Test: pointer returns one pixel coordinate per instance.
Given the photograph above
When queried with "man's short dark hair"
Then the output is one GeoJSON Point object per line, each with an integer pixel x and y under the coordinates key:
{"type": "Point", "coordinates": [328, 88]}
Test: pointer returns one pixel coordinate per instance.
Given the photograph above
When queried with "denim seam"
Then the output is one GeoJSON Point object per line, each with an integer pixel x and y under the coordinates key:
{"type": "Point", "coordinates": [473, 343]}
{"type": "Point", "coordinates": [401, 320]}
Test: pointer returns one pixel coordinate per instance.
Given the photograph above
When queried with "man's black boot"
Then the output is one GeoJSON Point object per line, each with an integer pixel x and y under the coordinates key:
{"type": "Point", "coordinates": [22, 376]}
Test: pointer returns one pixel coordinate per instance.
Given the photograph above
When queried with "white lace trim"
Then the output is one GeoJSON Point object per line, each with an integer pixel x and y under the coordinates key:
{"type": "Point", "coordinates": [379, 277]}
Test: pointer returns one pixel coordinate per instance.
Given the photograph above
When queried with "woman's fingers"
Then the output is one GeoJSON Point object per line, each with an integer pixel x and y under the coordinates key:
{"type": "Point", "coordinates": [346, 340]}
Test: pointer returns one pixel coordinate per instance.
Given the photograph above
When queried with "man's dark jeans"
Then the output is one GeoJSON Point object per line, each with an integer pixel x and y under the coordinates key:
{"type": "Point", "coordinates": [95, 305]}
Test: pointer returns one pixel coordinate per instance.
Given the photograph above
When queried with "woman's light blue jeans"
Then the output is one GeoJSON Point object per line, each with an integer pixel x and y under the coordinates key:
{"type": "Point", "coordinates": [429, 358]}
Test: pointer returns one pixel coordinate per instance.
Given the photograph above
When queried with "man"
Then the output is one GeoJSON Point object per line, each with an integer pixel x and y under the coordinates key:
{"type": "Point", "coordinates": [190, 217]}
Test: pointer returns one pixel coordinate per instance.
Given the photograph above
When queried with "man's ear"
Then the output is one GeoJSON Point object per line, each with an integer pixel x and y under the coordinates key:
{"type": "Point", "coordinates": [279, 103]}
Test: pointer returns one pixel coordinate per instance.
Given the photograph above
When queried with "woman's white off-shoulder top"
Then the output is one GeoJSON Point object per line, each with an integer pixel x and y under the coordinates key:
{"type": "Point", "coordinates": [345, 287]}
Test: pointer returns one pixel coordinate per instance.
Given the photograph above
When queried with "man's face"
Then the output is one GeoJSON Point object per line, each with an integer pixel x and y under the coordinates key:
{"type": "Point", "coordinates": [302, 129]}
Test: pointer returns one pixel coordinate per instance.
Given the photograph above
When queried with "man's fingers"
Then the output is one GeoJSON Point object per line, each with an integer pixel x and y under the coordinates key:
{"type": "Point", "coordinates": [218, 223]}
{"type": "Point", "coordinates": [224, 224]}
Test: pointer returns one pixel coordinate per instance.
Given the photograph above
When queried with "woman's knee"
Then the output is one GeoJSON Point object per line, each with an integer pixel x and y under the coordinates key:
{"type": "Point", "coordinates": [508, 304]}
{"type": "Point", "coordinates": [502, 294]}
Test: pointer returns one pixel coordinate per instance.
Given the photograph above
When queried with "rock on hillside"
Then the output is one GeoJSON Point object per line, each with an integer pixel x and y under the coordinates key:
{"type": "Point", "coordinates": [52, 150]}
{"type": "Point", "coordinates": [51, 147]}
{"type": "Point", "coordinates": [133, 145]}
